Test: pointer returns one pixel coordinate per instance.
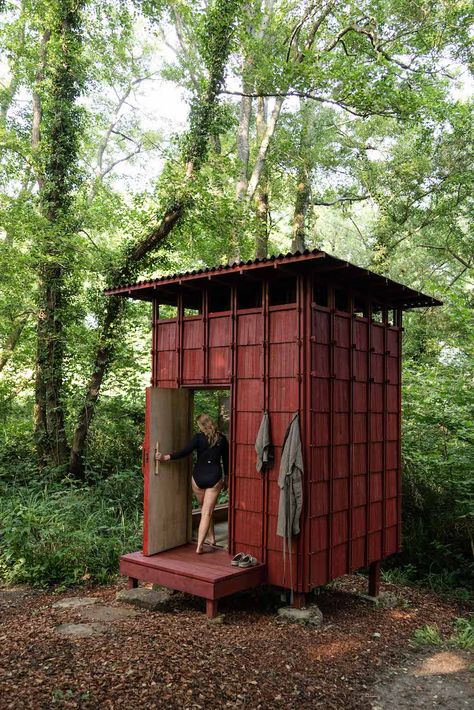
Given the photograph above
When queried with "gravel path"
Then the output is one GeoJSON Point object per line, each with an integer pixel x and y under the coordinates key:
{"type": "Point", "coordinates": [176, 658]}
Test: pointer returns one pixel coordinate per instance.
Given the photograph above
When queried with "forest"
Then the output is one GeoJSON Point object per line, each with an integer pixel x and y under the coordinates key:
{"type": "Point", "coordinates": [140, 138]}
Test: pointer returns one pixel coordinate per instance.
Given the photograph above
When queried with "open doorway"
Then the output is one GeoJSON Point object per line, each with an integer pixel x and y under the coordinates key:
{"type": "Point", "coordinates": [216, 403]}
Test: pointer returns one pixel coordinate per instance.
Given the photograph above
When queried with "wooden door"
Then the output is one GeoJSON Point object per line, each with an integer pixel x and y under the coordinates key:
{"type": "Point", "coordinates": [167, 504]}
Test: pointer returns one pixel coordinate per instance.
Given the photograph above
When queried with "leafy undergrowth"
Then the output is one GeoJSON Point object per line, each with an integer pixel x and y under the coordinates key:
{"type": "Point", "coordinates": [461, 637]}
{"type": "Point", "coordinates": [64, 535]}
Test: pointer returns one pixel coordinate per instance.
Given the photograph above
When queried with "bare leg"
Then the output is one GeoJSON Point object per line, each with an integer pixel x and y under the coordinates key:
{"type": "Point", "coordinates": [210, 498]}
{"type": "Point", "coordinates": [199, 493]}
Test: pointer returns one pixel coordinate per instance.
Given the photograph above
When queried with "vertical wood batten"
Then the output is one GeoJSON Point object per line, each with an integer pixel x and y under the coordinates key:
{"type": "Point", "coordinates": [368, 433]}
{"type": "Point", "coordinates": [154, 343]}
{"type": "Point", "coordinates": [351, 432]}
{"type": "Point", "coordinates": [266, 405]}
{"type": "Point", "coordinates": [233, 423]}
{"type": "Point", "coordinates": [384, 431]}
{"type": "Point", "coordinates": [399, 446]}
{"type": "Point", "coordinates": [305, 318]}
{"type": "Point", "coordinates": [299, 314]}
{"type": "Point", "coordinates": [179, 339]}
{"type": "Point", "coordinates": [332, 315]}
{"type": "Point", "coordinates": [205, 318]}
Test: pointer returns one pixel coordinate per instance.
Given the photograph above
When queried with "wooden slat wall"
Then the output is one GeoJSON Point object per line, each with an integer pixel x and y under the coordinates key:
{"type": "Point", "coordinates": [283, 402]}
{"type": "Point", "coordinates": [345, 370]}
{"type": "Point", "coordinates": [354, 514]}
{"type": "Point", "coordinates": [248, 393]}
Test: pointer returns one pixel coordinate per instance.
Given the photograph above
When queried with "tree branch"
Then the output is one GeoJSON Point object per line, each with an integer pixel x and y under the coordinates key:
{"type": "Point", "coordinates": [313, 97]}
{"type": "Point", "coordinates": [345, 198]}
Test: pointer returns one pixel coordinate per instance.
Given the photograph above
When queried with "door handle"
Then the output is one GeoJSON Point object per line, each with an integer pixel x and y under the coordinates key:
{"type": "Point", "coordinates": [157, 463]}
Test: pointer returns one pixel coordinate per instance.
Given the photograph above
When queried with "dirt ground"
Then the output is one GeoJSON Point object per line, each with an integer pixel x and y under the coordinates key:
{"type": "Point", "coordinates": [362, 656]}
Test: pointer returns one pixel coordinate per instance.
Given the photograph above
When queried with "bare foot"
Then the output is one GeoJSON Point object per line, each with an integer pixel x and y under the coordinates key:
{"type": "Point", "coordinates": [199, 550]}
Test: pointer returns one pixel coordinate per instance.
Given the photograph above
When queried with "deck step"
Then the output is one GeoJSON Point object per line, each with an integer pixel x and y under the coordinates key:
{"type": "Point", "coordinates": [210, 575]}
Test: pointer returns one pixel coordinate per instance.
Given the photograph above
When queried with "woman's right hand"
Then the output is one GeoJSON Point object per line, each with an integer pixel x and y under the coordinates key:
{"type": "Point", "coordinates": [162, 457]}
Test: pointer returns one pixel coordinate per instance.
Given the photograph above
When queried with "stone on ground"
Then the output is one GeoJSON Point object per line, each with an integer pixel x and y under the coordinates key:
{"type": "Point", "coordinates": [309, 615]}
{"type": "Point", "coordinates": [79, 630]}
{"type": "Point", "coordinates": [14, 594]}
{"type": "Point", "coordinates": [106, 613]}
{"type": "Point", "coordinates": [74, 602]}
{"type": "Point", "coordinates": [386, 600]}
{"type": "Point", "coordinates": [151, 599]}
{"type": "Point", "coordinates": [217, 620]}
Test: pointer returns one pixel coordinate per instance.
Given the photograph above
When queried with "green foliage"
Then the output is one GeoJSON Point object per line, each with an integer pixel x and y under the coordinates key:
{"type": "Point", "coordinates": [462, 637]}
{"type": "Point", "coordinates": [64, 535]}
{"type": "Point", "coordinates": [214, 38]}
{"type": "Point", "coordinates": [428, 636]}
{"type": "Point", "coordinates": [438, 439]}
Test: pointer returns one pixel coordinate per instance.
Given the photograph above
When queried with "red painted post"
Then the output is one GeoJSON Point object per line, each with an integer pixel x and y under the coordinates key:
{"type": "Point", "coordinates": [374, 578]}
{"type": "Point", "coordinates": [211, 608]}
{"type": "Point", "coordinates": [299, 600]}
{"type": "Point", "coordinates": [132, 583]}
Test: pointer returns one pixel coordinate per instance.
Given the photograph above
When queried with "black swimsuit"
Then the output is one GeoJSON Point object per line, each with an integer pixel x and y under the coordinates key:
{"type": "Point", "coordinates": [207, 469]}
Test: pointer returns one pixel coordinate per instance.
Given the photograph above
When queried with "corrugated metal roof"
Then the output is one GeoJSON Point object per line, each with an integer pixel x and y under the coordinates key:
{"type": "Point", "coordinates": [317, 261]}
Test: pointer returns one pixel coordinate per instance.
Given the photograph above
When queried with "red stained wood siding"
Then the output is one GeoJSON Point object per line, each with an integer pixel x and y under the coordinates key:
{"type": "Point", "coordinates": [342, 373]}
{"type": "Point", "coordinates": [354, 474]}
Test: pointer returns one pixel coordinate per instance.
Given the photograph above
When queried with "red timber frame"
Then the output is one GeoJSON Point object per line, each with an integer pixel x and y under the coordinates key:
{"type": "Point", "coordinates": [341, 372]}
{"type": "Point", "coordinates": [335, 362]}
{"type": "Point", "coordinates": [355, 477]}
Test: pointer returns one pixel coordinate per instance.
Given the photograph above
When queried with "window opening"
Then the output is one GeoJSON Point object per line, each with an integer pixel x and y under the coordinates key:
{"type": "Point", "coordinates": [361, 309]}
{"type": "Point", "coordinates": [249, 295]}
{"type": "Point", "coordinates": [282, 292]}
{"type": "Point", "coordinates": [168, 310]}
{"type": "Point", "coordinates": [192, 303]}
{"type": "Point", "coordinates": [341, 300]}
{"type": "Point", "coordinates": [218, 299]}
{"type": "Point", "coordinates": [321, 295]}
{"type": "Point", "coordinates": [377, 313]}
{"type": "Point", "coordinates": [391, 316]}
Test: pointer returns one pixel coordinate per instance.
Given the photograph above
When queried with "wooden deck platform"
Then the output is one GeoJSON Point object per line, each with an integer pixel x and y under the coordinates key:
{"type": "Point", "coordinates": [210, 575]}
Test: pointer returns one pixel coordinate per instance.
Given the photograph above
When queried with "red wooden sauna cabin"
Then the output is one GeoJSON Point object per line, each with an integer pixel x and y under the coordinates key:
{"type": "Point", "coordinates": [304, 333]}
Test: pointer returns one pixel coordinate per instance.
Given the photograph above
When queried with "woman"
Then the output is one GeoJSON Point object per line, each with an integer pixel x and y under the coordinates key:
{"type": "Point", "coordinates": [207, 482]}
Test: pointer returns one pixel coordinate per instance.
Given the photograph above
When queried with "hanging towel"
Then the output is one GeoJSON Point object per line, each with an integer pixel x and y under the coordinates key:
{"type": "Point", "coordinates": [291, 489]}
{"type": "Point", "coordinates": [263, 445]}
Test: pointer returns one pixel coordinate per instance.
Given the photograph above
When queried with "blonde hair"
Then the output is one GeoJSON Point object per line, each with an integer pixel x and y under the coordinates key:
{"type": "Point", "coordinates": [208, 427]}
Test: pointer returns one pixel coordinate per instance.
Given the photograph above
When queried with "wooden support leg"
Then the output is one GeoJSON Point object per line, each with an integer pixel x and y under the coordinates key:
{"type": "Point", "coordinates": [299, 600]}
{"type": "Point", "coordinates": [211, 608]}
{"type": "Point", "coordinates": [132, 583]}
{"type": "Point", "coordinates": [374, 579]}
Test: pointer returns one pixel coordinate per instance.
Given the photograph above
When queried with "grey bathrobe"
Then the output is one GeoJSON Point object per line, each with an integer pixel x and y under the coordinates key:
{"type": "Point", "coordinates": [291, 491]}
{"type": "Point", "coordinates": [263, 445]}
{"type": "Point", "coordinates": [290, 482]}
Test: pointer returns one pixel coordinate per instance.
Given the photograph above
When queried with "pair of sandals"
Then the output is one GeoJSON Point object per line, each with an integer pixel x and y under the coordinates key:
{"type": "Point", "coordinates": [243, 559]}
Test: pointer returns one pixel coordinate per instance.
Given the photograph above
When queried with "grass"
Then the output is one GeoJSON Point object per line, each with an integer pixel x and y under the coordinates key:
{"type": "Point", "coordinates": [462, 637]}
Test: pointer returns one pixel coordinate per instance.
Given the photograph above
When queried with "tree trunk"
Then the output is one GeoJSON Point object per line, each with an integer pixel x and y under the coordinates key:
{"type": "Point", "coordinates": [262, 197]}
{"type": "Point", "coordinates": [303, 197]}
{"type": "Point", "coordinates": [221, 18]}
{"type": "Point", "coordinates": [263, 149]}
{"type": "Point", "coordinates": [12, 341]}
{"type": "Point", "coordinates": [243, 153]}
{"type": "Point", "coordinates": [306, 163]}
{"type": "Point", "coordinates": [104, 355]}
{"type": "Point", "coordinates": [55, 140]}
